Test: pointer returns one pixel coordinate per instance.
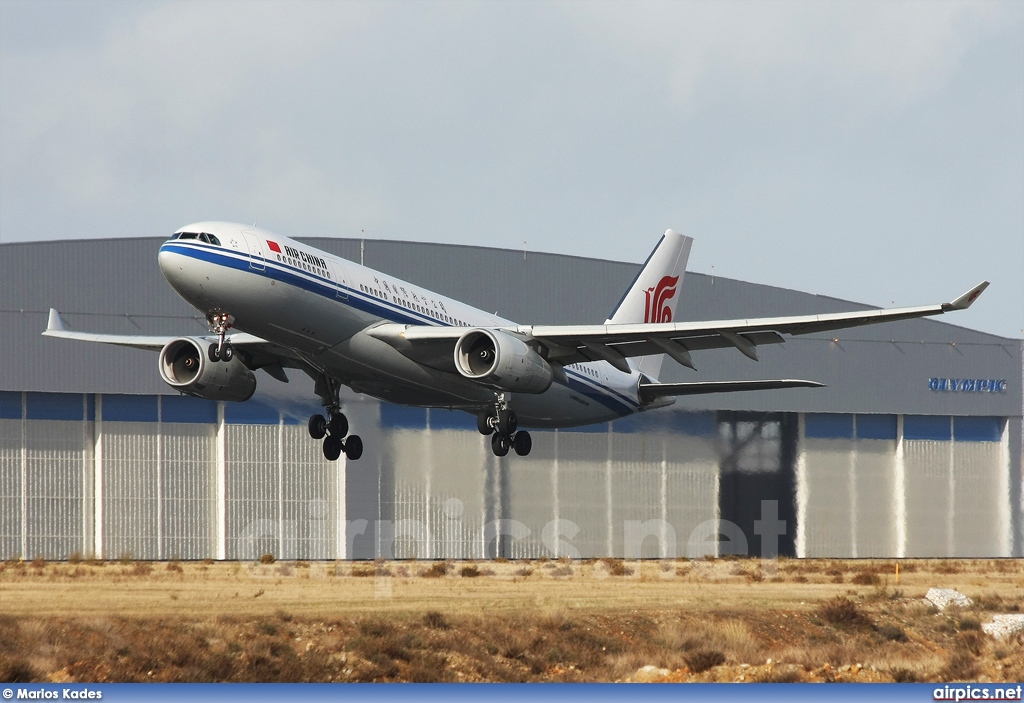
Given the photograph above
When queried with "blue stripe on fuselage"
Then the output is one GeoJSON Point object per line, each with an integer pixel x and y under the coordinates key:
{"type": "Point", "coordinates": [294, 276]}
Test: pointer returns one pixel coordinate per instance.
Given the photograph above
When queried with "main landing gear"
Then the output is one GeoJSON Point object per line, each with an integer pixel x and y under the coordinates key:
{"type": "Point", "coordinates": [501, 423]}
{"type": "Point", "coordinates": [333, 428]}
{"type": "Point", "coordinates": [220, 323]}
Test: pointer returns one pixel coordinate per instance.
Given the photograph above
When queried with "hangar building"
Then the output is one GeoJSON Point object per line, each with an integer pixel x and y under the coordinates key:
{"type": "Point", "coordinates": [913, 449]}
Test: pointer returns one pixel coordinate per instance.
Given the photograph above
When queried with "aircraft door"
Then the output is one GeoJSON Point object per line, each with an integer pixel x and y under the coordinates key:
{"type": "Point", "coordinates": [256, 250]}
{"type": "Point", "coordinates": [340, 278]}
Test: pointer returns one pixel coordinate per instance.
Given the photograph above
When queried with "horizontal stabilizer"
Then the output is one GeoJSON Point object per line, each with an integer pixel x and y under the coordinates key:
{"type": "Point", "coordinates": [650, 391]}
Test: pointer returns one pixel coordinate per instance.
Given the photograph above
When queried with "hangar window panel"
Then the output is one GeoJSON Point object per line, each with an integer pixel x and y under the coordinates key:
{"type": "Point", "coordinates": [978, 429]}
{"type": "Point", "coordinates": [402, 416]}
{"type": "Point", "coordinates": [188, 473]}
{"type": "Point", "coordinates": [927, 466]}
{"type": "Point", "coordinates": [130, 408]}
{"type": "Point", "coordinates": [10, 405]}
{"type": "Point", "coordinates": [980, 500]}
{"type": "Point", "coordinates": [55, 487]}
{"type": "Point", "coordinates": [309, 493]}
{"type": "Point", "coordinates": [130, 478]}
{"type": "Point", "coordinates": [441, 419]}
{"type": "Point", "coordinates": [829, 426]}
{"type": "Point", "coordinates": [54, 406]}
{"type": "Point", "coordinates": [877, 427]}
{"type": "Point", "coordinates": [458, 486]}
{"type": "Point", "coordinates": [250, 413]}
{"type": "Point", "coordinates": [926, 427]}
{"type": "Point", "coordinates": [10, 485]}
{"type": "Point", "coordinates": [252, 501]}
{"type": "Point", "coordinates": [188, 410]}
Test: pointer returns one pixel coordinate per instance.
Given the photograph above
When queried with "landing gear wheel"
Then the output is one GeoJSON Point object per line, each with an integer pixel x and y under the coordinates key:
{"type": "Point", "coordinates": [332, 448]}
{"type": "Point", "coordinates": [507, 422]}
{"type": "Point", "coordinates": [226, 353]}
{"type": "Point", "coordinates": [353, 447]}
{"type": "Point", "coordinates": [214, 353]}
{"type": "Point", "coordinates": [317, 426]}
{"type": "Point", "coordinates": [483, 423]}
{"type": "Point", "coordinates": [522, 443]}
{"type": "Point", "coordinates": [499, 444]}
{"type": "Point", "coordinates": [338, 424]}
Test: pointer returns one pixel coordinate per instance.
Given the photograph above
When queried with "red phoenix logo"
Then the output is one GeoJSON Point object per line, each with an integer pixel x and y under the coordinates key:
{"type": "Point", "coordinates": [656, 307]}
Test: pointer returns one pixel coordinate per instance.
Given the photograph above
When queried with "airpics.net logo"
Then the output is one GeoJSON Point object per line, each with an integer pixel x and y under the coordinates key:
{"type": "Point", "coordinates": [967, 385]}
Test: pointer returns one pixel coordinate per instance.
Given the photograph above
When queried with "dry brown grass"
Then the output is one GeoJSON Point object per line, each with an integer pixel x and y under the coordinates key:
{"type": "Point", "coordinates": [707, 620]}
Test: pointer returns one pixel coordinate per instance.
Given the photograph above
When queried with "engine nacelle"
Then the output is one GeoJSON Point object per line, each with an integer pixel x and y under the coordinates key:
{"type": "Point", "coordinates": [501, 360]}
{"type": "Point", "coordinates": [185, 367]}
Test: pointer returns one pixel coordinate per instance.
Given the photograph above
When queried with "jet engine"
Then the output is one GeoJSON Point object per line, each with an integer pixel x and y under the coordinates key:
{"type": "Point", "coordinates": [186, 367]}
{"type": "Point", "coordinates": [502, 360]}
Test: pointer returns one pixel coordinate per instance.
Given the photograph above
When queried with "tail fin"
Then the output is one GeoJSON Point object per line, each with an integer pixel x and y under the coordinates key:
{"type": "Point", "coordinates": [654, 294]}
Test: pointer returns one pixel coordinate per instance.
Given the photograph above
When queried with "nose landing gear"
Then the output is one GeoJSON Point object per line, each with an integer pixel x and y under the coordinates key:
{"type": "Point", "coordinates": [220, 323]}
{"type": "Point", "coordinates": [502, 424]}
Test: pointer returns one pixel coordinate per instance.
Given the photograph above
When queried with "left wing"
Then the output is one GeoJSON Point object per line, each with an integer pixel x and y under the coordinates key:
{"type": "Point", "coordinates": [261, 354]}
{"type": "Point", "coordinates": [570, 344]}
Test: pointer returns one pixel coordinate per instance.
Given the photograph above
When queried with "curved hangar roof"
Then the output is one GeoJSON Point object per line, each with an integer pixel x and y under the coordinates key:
{"type": "Point", "coordinates": [114, 285]}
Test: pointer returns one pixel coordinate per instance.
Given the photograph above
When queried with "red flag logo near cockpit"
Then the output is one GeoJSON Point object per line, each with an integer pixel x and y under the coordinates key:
{"type": "Point", "coordinates": [656, 307]}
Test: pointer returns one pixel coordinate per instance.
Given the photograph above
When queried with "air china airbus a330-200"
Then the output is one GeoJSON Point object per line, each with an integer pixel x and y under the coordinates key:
{"type": "Point", "coordinates": [345, 324]}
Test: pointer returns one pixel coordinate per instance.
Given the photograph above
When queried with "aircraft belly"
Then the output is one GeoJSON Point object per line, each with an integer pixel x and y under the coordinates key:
{"type": "Point", "coordinates": [561, 406]}
{"type": "Point", "coordinates": [371, 366]}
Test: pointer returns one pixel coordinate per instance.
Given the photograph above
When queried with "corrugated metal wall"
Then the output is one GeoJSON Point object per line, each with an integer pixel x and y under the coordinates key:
{"type": "Point", "coordinates": [178, 478]}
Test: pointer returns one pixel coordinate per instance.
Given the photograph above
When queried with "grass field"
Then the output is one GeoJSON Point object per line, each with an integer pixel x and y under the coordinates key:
{"type": "Point", "coordinates": [707, 620]}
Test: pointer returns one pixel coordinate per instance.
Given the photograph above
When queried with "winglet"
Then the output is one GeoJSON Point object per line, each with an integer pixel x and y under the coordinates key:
{"type": "Point", "coordinates": [55, 323]}
{"type": "Point", "coordinates": [965, 300]}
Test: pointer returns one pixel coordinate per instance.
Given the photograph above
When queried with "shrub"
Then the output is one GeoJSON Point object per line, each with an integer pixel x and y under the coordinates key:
{"type": "Point", "coordinates": [435, 620]}
{"type": "Point", "coordinates": [437, 570]}
{"type": "Point", "coordinates": [39, 563]}
{"type": "Point", "coordinates": [960, 667]}
{"type": "Point", "coordinates": [174, 566]}
{"type": "Point", "coordinates": [892, 632]}
{"type": "Point", "coordinates": [267, 558]}
{"type": "Point", "coordinates": [16, 670]}
{"type": "Point", "coordinates": [703, 659]}
{"type": "Point", "coordinates": [902, 675]}
{"type": "Point", "coordinates": [866, 578]}
{"type": "Point", "coordinates": [470, 571]}
{"type": "Point", "coordinates": [842, 612]}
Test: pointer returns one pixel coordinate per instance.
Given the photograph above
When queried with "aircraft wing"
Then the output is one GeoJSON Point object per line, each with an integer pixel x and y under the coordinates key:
{"type": "Point", "coordinates": [260, 352]}
{"type": "Point", "coordinates": [569, 344]}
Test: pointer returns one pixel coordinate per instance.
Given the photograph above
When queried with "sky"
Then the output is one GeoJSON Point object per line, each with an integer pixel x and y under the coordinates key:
{"type": "Point", "coordinates": [871, 151]}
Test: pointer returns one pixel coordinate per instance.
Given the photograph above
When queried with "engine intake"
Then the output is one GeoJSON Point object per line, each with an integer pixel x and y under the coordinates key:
{"type": "Point", "coordinates": [502, 360]}
{"type": "Point", "coordinates": [185, 367]}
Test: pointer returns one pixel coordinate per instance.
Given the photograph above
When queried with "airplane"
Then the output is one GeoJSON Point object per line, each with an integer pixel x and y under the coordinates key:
{"type": "Point", "coordinates": [295, 307]}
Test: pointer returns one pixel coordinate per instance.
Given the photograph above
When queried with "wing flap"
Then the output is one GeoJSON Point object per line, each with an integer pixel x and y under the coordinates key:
{"type": "Point", "coordinates": [650, 391]}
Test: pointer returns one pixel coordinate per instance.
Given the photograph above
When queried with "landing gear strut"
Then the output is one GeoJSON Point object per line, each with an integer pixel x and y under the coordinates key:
{"type": "Point", "coordinates": [333, 428]}
{"type": "Point", "coordinates": [220, 323]}
{"type": "Point", "coordinates": [502, 424]}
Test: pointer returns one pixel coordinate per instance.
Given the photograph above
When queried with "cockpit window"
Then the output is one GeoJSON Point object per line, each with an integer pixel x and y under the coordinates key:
{"type": "Point", "coordinates": [201, 236]}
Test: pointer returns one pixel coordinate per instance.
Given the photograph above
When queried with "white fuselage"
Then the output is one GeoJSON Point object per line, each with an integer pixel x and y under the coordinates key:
{"type": "Point", "coordinates": [320, 305]}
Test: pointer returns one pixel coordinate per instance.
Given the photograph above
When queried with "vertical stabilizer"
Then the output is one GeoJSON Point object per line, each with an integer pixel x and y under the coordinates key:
{"type": "Point", "coordinates": [655, 293]}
